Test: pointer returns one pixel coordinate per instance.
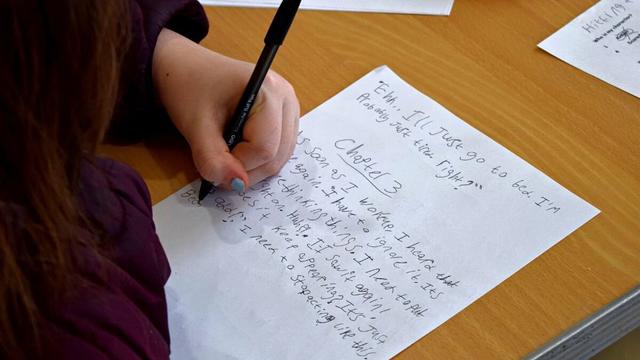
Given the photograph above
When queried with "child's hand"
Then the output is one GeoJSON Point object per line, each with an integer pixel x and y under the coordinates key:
{"type": "Point", "coordinates": [200, 90]}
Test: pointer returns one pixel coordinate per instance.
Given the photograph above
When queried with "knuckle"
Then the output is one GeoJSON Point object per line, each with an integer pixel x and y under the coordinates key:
{"type": "Point", "coordinates": [265, 154]}
{"type": "Point", "coordinates": [288, 88]}
{"type": "Point", "coordinates": [273, 168]}
{"type": "Point", "coordinates": [276, 81]}
{"type": "Point", "coordinates": [273, 79]}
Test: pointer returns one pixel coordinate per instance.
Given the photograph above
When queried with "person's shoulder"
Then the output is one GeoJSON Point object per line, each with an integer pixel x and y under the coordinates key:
{"type": "Point", "coordinates": [120, 179]}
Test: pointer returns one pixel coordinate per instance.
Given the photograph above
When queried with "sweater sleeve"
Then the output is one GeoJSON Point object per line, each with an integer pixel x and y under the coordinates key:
{"type": "Point", "coordinates": [137, 110]}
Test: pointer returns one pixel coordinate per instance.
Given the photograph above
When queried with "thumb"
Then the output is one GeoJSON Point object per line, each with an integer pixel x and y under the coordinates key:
{"type": "Point", "coordinates": [216, 164]}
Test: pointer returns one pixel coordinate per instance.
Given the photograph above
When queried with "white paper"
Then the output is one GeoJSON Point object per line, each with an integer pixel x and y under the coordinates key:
{"type": "Point", "coordinates": [433, 7]}
{"type": "Point", "coordinates": [605, 42]}
{"type": "Point", "coordinates": [392, 216]}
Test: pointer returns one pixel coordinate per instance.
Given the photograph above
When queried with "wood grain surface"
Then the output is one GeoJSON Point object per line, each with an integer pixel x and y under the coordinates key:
{"type": "Point", "coordinates": [482, 64]}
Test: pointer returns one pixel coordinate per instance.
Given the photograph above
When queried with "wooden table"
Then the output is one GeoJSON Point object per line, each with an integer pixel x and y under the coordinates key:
{"type": "Point", "coordinates": [482, 64]}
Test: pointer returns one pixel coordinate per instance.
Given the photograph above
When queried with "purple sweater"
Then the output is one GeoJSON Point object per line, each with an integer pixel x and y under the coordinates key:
{"type": "Point", "coordinates": [124, 317]}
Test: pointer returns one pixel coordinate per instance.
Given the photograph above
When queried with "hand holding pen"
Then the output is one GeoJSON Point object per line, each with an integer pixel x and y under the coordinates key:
{"type": "Point", "coordinates": [200, 90]}
{"type": "Point", "coordinates": [233, 133]}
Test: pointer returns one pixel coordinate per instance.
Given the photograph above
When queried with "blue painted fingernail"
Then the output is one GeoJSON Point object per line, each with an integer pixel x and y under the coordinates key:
{"type": "Point", "coordinates": [237, 185]}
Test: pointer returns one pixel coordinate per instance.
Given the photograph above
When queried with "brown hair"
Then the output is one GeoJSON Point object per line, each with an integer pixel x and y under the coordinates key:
{"type": "Point", "coordinates": [59, 75]}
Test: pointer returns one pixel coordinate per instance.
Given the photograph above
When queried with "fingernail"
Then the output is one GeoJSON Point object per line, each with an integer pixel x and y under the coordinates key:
{"type": "Point", "coordinates": [237, 185]}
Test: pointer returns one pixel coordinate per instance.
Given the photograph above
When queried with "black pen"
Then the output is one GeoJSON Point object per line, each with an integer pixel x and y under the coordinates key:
{"type": "Point", "coordinates": [272, 41]}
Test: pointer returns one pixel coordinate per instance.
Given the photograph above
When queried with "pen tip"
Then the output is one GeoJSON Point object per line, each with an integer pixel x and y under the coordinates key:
{"type": "Point", "coordinates": [205, 188]}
